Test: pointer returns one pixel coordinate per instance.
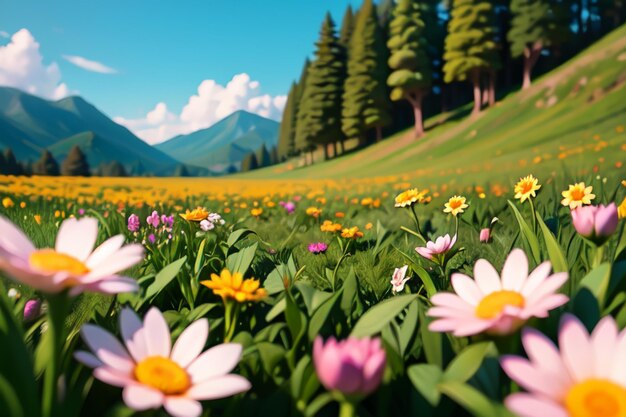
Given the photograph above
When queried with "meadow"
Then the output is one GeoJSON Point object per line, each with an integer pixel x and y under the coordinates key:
{"type": "Point", "coordinates": [312, 297]}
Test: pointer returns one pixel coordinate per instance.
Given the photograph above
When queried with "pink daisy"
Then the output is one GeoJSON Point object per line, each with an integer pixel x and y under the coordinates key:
{"type": "Point", "coordinates": [73, 263]}
{"type": "Point", "coordinates": [437, 249]}
{"type": "Point", "coordinates": [586, 378]}
{"type": "Point", "coordinates": [153, 373]}
{"type": "Point", "coordinates": [497, 305]}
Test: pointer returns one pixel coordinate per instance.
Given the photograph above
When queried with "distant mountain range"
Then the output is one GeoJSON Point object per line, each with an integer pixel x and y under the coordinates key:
{"type": "Point", "coordinates": [225, 143]}
{"type": "Point", "coordinates": [29, 124]}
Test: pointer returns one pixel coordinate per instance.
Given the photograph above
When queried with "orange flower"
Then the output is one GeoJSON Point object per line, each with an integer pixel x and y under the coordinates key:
{"type": "Point", "coordinates": [314, 212]}
{"type": "Point", "coordinates": [329, 226]}
{"type": "Point", "coordinates": [233, 286]}
{"type": "Point", "coordinates": [351, 233]}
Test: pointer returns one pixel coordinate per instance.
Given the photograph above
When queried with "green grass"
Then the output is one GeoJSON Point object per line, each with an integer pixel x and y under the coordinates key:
{"type": "Point", "coordinates": [573, 109]}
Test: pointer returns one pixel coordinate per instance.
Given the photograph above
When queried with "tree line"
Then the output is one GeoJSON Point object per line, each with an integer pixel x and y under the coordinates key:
{"type": "Point", "coordinates": [74, 164]}
{"type": "Point", "coordinates": [401, 60]}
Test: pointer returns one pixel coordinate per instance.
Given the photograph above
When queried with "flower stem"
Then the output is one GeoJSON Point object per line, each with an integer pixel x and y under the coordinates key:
{"type": "Point", "coordinates": [58, 306]}
{"type": "Point", "coordinates": [231, 315]}
{"type": "Point", "coordinates": [534, 215]}
{"type": "Point", "coordinates": [417, 222]}
{"type": "Point", "coordinates": [346, 409]}
{"type": "Point", "coordinates": [598, 256]}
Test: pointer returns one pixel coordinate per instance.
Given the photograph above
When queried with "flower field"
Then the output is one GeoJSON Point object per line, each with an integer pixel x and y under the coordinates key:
{"type": "Point", "coordinates": [368, 297]}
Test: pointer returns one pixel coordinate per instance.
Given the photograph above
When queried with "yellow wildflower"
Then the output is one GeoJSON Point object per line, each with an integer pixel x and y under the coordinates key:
{"type": "Point", "coordinates": [196, 215]}
{"type": "Point", "coordinates": [577, 195]}
{"type": "Point", "coordinates": [329, 226]}
{"type": "Point", "coordinates": [526, 188]}
{"type": "Point", "coordinates": [351, 233]}
{"type": "Point", "coordinates": [233, 286]}
{"type": "Point", "coordinates": [7, 202]}
{"type": "Point", "coordinates": [455, 205]}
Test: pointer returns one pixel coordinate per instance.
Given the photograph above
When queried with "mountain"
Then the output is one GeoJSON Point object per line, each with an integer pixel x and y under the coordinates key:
{"type": "Point", "coordinates": [29, 124]}
{"type": "Point", "coordinates": [224, 143]}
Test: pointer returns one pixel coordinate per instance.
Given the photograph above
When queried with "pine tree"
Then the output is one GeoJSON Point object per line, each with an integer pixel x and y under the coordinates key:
{"type": "Point", "coordinates": [181, 171]}
{"type": "Point", "coordinates": [366, 101]}
{"type": "Point", "coordinates": [411, 77]}
{"type": "Point", "coordinates": [536, 25]}
{"type": "Point", "coordinates": [11, 165]}
{"type": "Point", "coordinates": [287, 136]}
{"type": "Point", "coordinates": [116, 169]}
{"type": "Point", "coordinates": [249, 162]}
{"type": "Point", "coordinates": [470, 44]}
{"type": "Point", "coordinates": [75, 164]}
{"type": "Point", "coordinates": [347, 27]}
{"type": "Point", "coordinates": [46, 165]}
{"type": "Point", "coordinates": [319, 114]}
{"type": "Point", "coordinates": [263, 157]}
{"type": "Point", "coordinates": [300, 147]}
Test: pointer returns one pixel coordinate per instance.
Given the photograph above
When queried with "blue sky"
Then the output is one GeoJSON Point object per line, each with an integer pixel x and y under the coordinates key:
{"type": "Point", "coordinates": [162, 51]}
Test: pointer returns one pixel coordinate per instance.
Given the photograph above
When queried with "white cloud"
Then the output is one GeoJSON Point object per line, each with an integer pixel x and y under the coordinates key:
{"type": "Point", "coordinates": [21, 66]}
{"type": "Point", "coordinates": [211, 103]}
{"type": "Point", "coordinates": [89, 65]}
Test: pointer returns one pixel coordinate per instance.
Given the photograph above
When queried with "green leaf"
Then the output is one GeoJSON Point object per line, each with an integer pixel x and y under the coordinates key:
{"type": "Point", "coordinates": [321, 315]}
{"type": "Point", "coordinates": [241, 261]}
{"type": "Point", "coordinates": [409, 326]}
{"type": "Point", "coordinates": [238, 235]}
{"type": "Point", "coordinates": [555, 252]}
{"type": "Point", "coordinates": [164, 277]}
{"type": "Point", "coordinates": [381, 314]}
{"type": "Point", "coordinates": [431, 340]}
{"type": "Point", "coordinates": [529, 237]}
{"type": "Point", "coordinates": [312, 297]}
{"type": "Point", "coordinates": [425, 378]}
{"type": "Point", "coordinates": [597, 281]}
{"type": "Point", "coordinates": [469, 398]}
{"type": "Point", "coordinates": [199, 257]}
{"type": "Point", "coordinates": [465, 364]}
{"type": "Point", "coordinates": [271, 355]}
{"type": "Point", "coordinates": [317, 404]}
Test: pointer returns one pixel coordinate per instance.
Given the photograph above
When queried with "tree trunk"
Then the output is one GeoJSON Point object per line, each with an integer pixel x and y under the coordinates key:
{"type": "Point", "coordinates": [342, 149]}
{"type": "Point", "coordinates": [416, 102]}
{"type": "Point", "coordinates": [379, 134]}
{"type": "Point", "coordinates": [492, 88]}
{"type": "Point", "coordinates": [476, 84]}
{"type": "Point", "coordinates": [334, 149]}
{"type": "Point", "coordinates": [485, 89]}
{"type": "Point", "coordinates": [531, 55]}
{"type": "Point", "coordinates": [312, 156]}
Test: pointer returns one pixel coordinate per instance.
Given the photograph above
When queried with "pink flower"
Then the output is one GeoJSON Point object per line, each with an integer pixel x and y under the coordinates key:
{"type": "Point", "coordinates": [152, 373]}
{"type": "Point", "coordinates": [133, 223]}
{"type": "Point", "coordinates": [73, 263]}
{"type": "Point", "coordinates": [485, 235]}
{"type": "Point", "coordinates": [497, 305]}
{"type": "Point", "coordinates": [317, 248]}
{"type": "Point", "coordinates": [154, 219]}
{"type": "Point", "coordinates": [596, 223]}
{"type": "Point", "coordinates": [436, 251]}
{"type": "Point", "coordinates": [352, 366]}
{"type": "Point", "coordinates": [586, 377]}
{"type": "Point", "coordinates": [398, 279]}
{"type": "Point", "coordinates": [289, 206]}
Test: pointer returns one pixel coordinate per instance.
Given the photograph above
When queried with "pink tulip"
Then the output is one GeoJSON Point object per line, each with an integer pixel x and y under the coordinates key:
{"type": "Point", "coordinates": [353, 366]}
{"type": "Point", "coordinates": [435, 251]}
{"type": "Point", "coordinates": [485, 235]}
{"type": "Point", "coordinates": [32, 310]}
{"type": "Point", "coordinates": [596, 223]}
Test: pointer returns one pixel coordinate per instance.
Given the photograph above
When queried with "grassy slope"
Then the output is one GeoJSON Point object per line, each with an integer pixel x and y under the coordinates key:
{"type": "Point", "coordinates": [578, 110]}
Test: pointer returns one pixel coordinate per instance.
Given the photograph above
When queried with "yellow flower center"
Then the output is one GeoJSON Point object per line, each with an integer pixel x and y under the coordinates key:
{"type": "Point", "coordinates": [493, 304]}
{"type": "Point", "coordinates": [526, 187]}
{"type": "Point", "coordinates": [577, 194]}
{"type": "Point", "coordinates": [596, 398]}
{"type": "Point", "coordinates": [49, 260]}
{"type": "Point", "coordinates": [455, 204]}
{"type": "Point", "coordinates": [162, 374]}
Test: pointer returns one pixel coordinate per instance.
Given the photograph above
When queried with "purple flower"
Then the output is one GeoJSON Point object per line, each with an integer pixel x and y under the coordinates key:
{"type": "Point", "coordinates": [81, 212]}
{"type": "Point", "coordinates": [168, 221]}
{"type": "Point", "coordinates": [133, 223]}
{"type": "Point", "coordinates": [151, 238]}
{"type": "Point", "coordinates": [153, 219]}
{"type": "Point", "coordinates": [353, 366]}
{"type": "Point", "coordinates": [206, 225]}
{"type": "Point", "coordinates": [317, 248]}
{"type": "Point", "coordinates": [32, 310]}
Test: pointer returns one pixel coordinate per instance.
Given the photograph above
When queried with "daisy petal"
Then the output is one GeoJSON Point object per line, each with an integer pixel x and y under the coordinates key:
{"type": "Point", "coordinates": [112, 377]}
{"type": "Point", "coordinates": [220, 387]}
{"type": "Point", "coordinates": [157, 334]}
{"type": "Point", "coordinates": [532, 379]}
{"type": "Point", "coordinates": [102, 252]}
{"type": "Point", "coordinates": [133, 334]}
{"type": "Point", "coordinates": [604, 342]}
{"type": "Point", "coordinates": [466, 288]}
{"type": "Point", "coordinates": [182, 407]}
{"type": "Point", "coordinates": [576, 348]}
{"type": "Point", "coordinates": [190, 343]}
{"type": "Point", "coordinates": [536, 277]}
{"type": "Point", "coordinates": [515, 270]}
{"type": "Point", "coordinates": [527, 405]}
{"type": "Point", "coordinates": [139, 397]}
{"type": "Point", "coordinates": [107, 348]}
{"type": "Point", "coordinates": [77, 237]}
{"type": "Point", "coordinates": [486, 277]}
{"type": "Point", "coordinates": [215, 362]}
{"type": "Point", "coordinates": [87, 359]}
{"type": "Point", "coordinates": [13, 240]}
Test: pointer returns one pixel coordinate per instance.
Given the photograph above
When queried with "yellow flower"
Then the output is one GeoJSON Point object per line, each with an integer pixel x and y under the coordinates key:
{"type": "Point", "coordinates": [321, 200]}
{"type": "Point", "coordinates": [7, 202]}
{"type": "Point", "coordinates": [621, 210]}
{"type": "Point", "coordinates": [270, 204]}
{"type": "Point", "coordinates": [37, 218]}
{"type": "Point", "coordinates": [233, 286]}
{"type": "Point", "coordinates": [314, 211]}
{"type": "Point", "coordinates": [329, 226]}
{"type": "Point", "coordinates": [256, 212]}
{"type": "Point", "coordinates": [410, 197]}
{"type": "Point", "coordinates": [526, 188]}
{"type": "Point", "coordinates": [23, 204]}
{"type": "Point", "coordinates": [369, 226]}
{"type": "Point", "coordinates": [195, 215]}
{"type": "Point", "coordinates": [351, 233]}
{"type": "Point", "coordinates": [577, 195]}
{"type": "Point", "coordinates": [57, 213]}
{"type": "Point", "coordinates": [455, 205]}
{"type": "Point", "coordinates": [367, 201]}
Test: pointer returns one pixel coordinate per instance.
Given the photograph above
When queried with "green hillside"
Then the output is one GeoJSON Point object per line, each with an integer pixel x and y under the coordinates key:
{"type": "Point", "coordinates": [572, 118]}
